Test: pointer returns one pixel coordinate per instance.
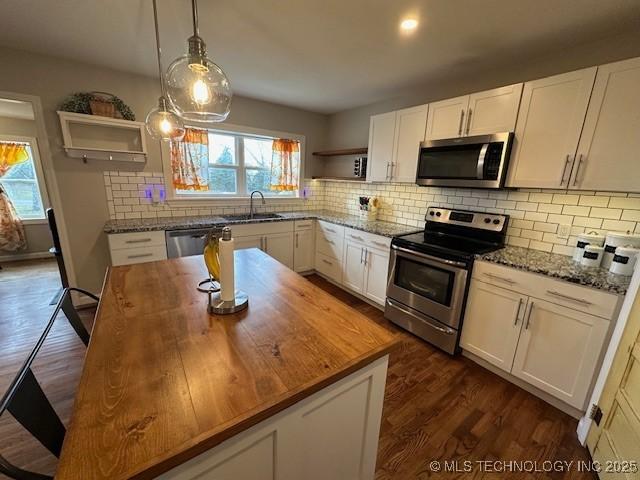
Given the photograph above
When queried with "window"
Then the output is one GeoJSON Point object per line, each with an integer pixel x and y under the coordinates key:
{"type": "Point", "coordinates": [21, 186]}
{"type": "Point", "coordinates": [232, 165]}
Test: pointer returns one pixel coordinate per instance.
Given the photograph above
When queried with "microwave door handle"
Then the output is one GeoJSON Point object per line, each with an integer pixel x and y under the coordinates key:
{"type": "Point", "coordinates": [481, 157]}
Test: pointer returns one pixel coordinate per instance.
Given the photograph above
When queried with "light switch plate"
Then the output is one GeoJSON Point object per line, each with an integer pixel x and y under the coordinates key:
{"type": "Point", "coordinates": [564, 229]}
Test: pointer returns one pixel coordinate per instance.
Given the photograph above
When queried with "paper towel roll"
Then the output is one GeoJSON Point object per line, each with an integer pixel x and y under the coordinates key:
{"type": "Point", "coordinates": [227, 274]}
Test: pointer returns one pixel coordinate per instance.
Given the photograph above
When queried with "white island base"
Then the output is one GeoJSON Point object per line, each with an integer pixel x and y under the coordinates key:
{"type": "Point", "coordinates": [330, 435]}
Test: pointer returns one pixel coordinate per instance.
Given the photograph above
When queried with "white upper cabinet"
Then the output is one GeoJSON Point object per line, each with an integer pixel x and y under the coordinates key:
{"type": "Point", "coordinates": [481, 113]}
{"type": "Point", "coordinates": [493, 111]}
{"type": "Point", "coordinates": [394, 144]}
{"type": "Point", "coordinates": [548, 129]}
{"type": "Point", "coordinates": [446, 118]}
{"type": "Point", "coordinates": [409, 133]}
{"type": "Point", "coordinates": [608, 150]}
{"type": "Point", "coordinates": [382, 130]}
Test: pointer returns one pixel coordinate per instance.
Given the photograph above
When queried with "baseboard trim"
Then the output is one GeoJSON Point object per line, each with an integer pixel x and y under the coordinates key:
{"type": "Point", "coordinates": [25, 256]}
{"type": "Point", "coordinates": [551, 400]}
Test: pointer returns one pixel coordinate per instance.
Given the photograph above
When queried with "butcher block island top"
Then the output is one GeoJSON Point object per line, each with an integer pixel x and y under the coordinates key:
{"type": "Point", "coordinates": [164, 381]}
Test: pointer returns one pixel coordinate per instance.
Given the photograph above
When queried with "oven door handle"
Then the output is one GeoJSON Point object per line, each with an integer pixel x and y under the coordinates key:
{"type": "Point", "coordinates": [429, 257]}
{"type": "Point", "coordinates": [481, 157]}
{"type": "Point", "coordinates": [422, 318]}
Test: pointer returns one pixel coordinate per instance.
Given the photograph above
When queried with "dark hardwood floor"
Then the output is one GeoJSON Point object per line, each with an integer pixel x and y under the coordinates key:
{"type": "Point", "coordinates": [437, 407]}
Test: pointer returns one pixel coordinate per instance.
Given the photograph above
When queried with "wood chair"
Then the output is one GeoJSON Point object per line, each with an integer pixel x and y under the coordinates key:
{"type": "Point", "coordinates": [27, 402]}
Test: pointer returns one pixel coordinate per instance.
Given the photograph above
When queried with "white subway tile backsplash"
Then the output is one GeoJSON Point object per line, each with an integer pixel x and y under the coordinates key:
{"type": "Point", "coordinates": [535, 213]}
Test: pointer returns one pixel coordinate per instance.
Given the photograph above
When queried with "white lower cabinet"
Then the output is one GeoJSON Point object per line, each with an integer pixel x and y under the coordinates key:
{"type": "Point", "coordinates": [353, 266]}
{"type": "Point", "coordinates": [555, 346]}
{"type": "Point", "coordinates": [492, 324]}
{"type": "Point", "coordinates": [377, 267]}
{"type": "Point", "coordinates": [331, 435]}
{"type": "Point", "coordinates": [303, 248]}
{"type": "Point", "coordinates": [253, 241]}
{"type": "Point", "coordinates": [559, 349]}
{"type": "Point", "coordinates": [137, 247]}
{"type": "Point", "coordinates": [280, 247]}
{"type": "Point", "coordinates": [274, 238]}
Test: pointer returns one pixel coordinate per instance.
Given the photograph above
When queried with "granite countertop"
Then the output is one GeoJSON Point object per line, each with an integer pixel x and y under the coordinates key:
{"type": "Point", "coordinates": [377, 227]}
{"type": "Point", "coordinates": [558, 266]}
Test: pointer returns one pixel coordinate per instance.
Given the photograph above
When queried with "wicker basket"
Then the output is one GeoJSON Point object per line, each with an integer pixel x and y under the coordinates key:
{"type": "Point", "coordinates": [102, 105]}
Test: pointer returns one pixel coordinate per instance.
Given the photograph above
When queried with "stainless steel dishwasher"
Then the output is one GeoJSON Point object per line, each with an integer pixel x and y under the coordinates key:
{"type": "Point", "coordinates": [183, 243]}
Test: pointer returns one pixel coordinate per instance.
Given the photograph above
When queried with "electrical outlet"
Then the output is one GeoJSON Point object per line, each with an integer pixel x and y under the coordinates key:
{"type": "Point", "coordinates": [564, 230]}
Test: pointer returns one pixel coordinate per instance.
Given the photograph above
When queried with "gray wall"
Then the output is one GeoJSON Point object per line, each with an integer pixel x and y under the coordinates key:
{"type": "Point", "coordinates": [350, 128]}
{"type": "Point", "coordinates": [38, 235]}
{"type": "Point", "coordinates": [81, 185]}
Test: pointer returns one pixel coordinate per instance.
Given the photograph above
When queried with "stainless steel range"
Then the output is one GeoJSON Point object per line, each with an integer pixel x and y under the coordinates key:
{"type": "Point", "coordinates": [430, 271]}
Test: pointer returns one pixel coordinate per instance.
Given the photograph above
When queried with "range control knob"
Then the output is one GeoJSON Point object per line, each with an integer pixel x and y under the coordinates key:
{"type": "Point", "coordinates": [432, 213]}
{"type": "Point", "coordinates": [496, 221]}
{"type": "Point", "coordinates": [438, 214]}
{"type": "Point", "coordinates": [487, 220]}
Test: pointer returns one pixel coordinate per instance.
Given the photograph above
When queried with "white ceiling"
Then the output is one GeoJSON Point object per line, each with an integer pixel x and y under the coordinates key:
{"type": "Point", "coordinates": [321, 55]}
{"type": "Point", "coordinates": [16, 109]}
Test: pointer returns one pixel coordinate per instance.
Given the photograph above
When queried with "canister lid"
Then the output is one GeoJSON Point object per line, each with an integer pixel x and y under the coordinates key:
{"type": "Point", "coordinates": [627, 251]}
{"type": "Point", "coordinates": [593, 236]}
{"type": "Point", "coordinates": [632, 238]}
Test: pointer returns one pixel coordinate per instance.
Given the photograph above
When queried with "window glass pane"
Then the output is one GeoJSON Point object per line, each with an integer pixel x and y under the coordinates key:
{"type": "Point", "coordinates": [257, 152]}
{"type": "Point", "coordinates": [222, 149]}
{"type": "Point", "coordinates": [21, 186]}
{"type": "Point", "coordinates": [222, 180]}
{"type": "Point", "coordinates": [258, 180]}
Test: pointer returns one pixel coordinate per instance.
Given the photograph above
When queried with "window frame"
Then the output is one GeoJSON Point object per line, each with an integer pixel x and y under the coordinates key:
{"type": "Point", "coordinates": [174, 198]}
{"type": "Point", "coordinates": [39, 173]}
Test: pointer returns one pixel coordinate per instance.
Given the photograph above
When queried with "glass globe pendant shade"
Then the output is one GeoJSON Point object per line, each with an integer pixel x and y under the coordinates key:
{"type": "Point", "coordinates": [163, 124]}
{"type": "Point", "coordinates": [197, 88]}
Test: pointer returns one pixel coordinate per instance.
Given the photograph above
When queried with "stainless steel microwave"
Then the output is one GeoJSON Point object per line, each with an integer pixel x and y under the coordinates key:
{"type": "Point", "coordinates": [479, 161]}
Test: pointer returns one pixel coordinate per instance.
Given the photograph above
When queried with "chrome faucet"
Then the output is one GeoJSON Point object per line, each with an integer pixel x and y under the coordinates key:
{"type": "Point", "coordinates": [251, 202]}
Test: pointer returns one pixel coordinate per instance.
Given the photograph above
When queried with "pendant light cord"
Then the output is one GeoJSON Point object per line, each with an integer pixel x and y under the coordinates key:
{"type": "Point", "coordinates": [158, 50]}
{"type": "Point", "coordinates": [194, 10]}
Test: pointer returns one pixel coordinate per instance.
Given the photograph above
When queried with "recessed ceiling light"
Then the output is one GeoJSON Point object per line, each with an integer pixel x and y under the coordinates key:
{"type": "Point", "coordinates": [409, 24]}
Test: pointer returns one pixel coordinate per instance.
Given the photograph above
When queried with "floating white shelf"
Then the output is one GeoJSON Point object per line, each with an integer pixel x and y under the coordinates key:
{"type": "Point", "coordinates": [103, 138]}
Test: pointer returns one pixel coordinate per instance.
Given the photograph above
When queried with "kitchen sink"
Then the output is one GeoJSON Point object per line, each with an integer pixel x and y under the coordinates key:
{"type": "Point", "coordinates": [256, 216]}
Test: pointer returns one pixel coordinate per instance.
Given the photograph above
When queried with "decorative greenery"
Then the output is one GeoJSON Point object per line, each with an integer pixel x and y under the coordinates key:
{"type": "Point", "coordinates": [80, 103]}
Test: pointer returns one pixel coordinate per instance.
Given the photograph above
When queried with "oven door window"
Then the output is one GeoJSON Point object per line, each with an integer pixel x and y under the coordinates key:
{"type": "Point", "coordinates": [458, 162]}
{"type": "Point", "coordinates": [429, 282]}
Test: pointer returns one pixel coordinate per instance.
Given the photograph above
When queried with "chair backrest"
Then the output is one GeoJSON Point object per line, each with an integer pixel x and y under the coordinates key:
{"type": "Point", "coordinates": [26, 400]}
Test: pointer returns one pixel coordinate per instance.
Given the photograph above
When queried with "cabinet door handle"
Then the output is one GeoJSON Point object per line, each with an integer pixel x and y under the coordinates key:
{"type": "Point", "coordinates": [366, 255]}
{"type": "Point", "coordinates": [327, 262]}
{"type": "Point", "coordinates": [518, 312]}
{"type": "Point", "coordinates": [329, 230]}
{"type": "Point", "coordinates": [526, 326]}
{"type": "Point", "coordinates": [380, 244]}
{"type": "Point", "coordinates": [502, 279]}
{"type": "Point", "coordinates": [330, 241]}
{"type": "Point", "coordinates": [567, 297]}
{"type": "Point", "coordinates": [392, 167]}
{"type": "Point", "coordinates": [356, 237]}
{"type": "Point", "coordinates": [361, 253]}
{"type": "Point", "coordinates": [140, 240]}
{"type": "Point", "coordinates": [461, 121]}
{"type": "Point", "coordinates": [575, 179]}
{"type": "Point", "coordinates": [140, 255]}
{"type": "Point", "coordinates": [297, 240]}
{"type": "Point", "coordinates": [564, 170]}
{"type": "Point", "coordinates": [469, 121]}
{"type": "Point", "coordinates": [386, 177]}
{"type": "Point", "coordinates": [266, 245]}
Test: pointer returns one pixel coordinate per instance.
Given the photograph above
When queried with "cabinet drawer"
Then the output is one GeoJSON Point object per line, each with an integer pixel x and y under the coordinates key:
{"type": "Point", "coordinates": [329, 267]}
{"type": "Point", "coordinates": [262, 228]}
{"type": "Point", "coordinates": [300, 225]}
{"type": "Point", "coordinates": [329, 245]}
{"type": "Point", "coordinates": [577, 297]}
{"type": "Point", "coordinates": [136, 239]}
{"type": "Point", "coordinates": [369, 239]}
{"type": "Point", "coordinates": [129, 256]}
{"type": "Point", "coordinates": [330, 228]}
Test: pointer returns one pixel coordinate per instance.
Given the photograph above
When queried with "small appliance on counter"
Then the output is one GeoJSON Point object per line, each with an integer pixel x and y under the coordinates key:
{"type": "Point", "coordinates": [430, 271]}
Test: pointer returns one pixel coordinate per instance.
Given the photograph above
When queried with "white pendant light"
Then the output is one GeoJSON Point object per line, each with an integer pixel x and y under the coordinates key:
{"type": "Point", "coordinates": [197, 88]}
{"type": "Point", "coordinates": [161, 122]}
